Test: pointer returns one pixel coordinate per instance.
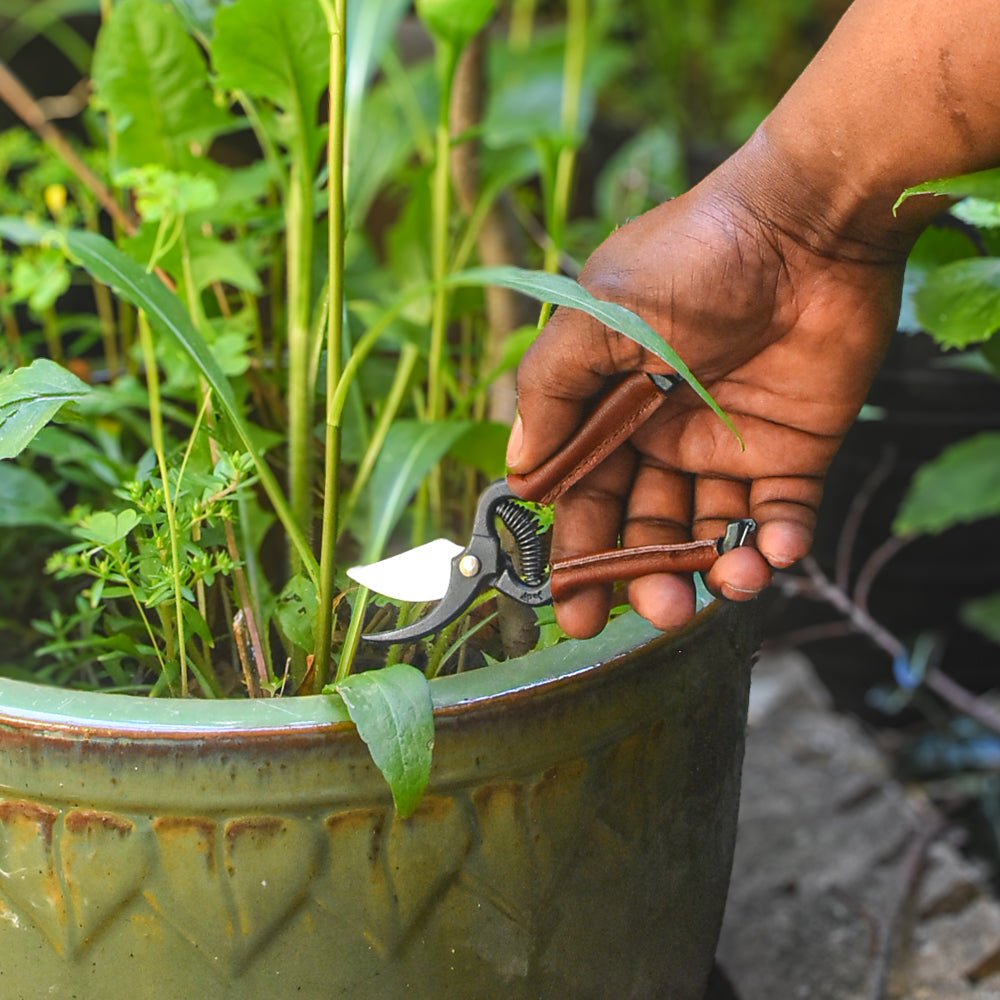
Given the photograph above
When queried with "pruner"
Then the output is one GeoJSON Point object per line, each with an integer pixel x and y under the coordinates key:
{"type": "Point", "coordinates": [454, 575]}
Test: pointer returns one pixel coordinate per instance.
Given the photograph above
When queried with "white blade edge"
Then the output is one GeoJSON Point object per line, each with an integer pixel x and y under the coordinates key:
{"type": "Point", "coordinates": [420, 574]}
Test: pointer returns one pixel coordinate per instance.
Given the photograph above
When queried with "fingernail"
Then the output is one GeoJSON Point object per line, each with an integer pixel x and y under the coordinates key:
{"type": "Point", "coordinates": [515, 442]}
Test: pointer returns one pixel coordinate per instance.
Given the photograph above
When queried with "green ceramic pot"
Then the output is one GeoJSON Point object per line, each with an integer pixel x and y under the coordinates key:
{"type": "Point", "coordinates": [574, 843]}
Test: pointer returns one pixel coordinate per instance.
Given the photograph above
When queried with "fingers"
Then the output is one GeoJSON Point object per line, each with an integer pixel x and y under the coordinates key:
{"type": "Point", "coordinates": [664, 503]}
{"type": "Point", "coordinates": [587, 519]}
{"type": "Point", "coordinates": [564, 368]}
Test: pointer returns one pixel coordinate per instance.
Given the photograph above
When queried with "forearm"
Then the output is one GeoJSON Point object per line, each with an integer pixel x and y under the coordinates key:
{"type": "Point", "coordinates": [903, 91]}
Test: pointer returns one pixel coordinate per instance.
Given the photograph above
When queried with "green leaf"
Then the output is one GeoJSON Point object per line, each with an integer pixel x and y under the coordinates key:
{"type": "Point", "coordinates": [961, 484]}
{"type": "Point", "coordinates": [484, 447]}
{"type": "Point", "coordinates": [984, 614]}
{"type": "Point", "coordinates": [279, 51]}
{"type": "Point", "coordinates": [959, 303]}
{"type": "Point", "coordinates": [563, 291]}
{"type": "Point", "coordinates": [29, 398]}
{"type": "Point", "coordinates": [168, 318]}
{"type": "Point", "coordinates": [152, 78]}
{"type": "Point", "coordinates": [105, 528]}
{"type": "Point", "coordinates": [393, 712]}
{"type": "Point", "coordinates": [296, 610]}
{"type": "Point", "coordinates": [455, 21]}
{"type": "Point", "coordinates": [981, 184]}
{"type": "Point", "coordinates": [412, 448]}
{"type": "Point", "coordinates": [26, 499]}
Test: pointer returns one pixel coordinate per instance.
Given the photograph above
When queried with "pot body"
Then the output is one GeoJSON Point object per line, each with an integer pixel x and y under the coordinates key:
{"type": "Point", "coordinates": [574, 843]}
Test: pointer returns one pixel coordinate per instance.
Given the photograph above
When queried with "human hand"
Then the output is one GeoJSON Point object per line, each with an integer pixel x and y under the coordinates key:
{"type": "Point", "coordinates": [786, 340]}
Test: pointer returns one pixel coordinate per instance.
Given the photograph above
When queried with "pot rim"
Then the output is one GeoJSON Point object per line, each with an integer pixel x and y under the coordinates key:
{"type": "Point", "coordinates": [28, 705]}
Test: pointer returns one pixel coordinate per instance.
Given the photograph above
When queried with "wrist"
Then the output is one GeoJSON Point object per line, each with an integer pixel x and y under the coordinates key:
{"type": "Point", "coordinates": [829, 205]}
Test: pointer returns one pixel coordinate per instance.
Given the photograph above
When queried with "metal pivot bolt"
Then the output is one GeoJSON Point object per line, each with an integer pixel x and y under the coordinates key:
{"type": "Point", "coordinates": [468, 565]}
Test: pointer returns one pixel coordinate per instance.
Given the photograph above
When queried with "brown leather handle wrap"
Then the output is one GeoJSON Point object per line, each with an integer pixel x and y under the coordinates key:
{"type": "Point", "coordinates": [617, 415]}
{"type": "Point", "coordinates": [570, 575]}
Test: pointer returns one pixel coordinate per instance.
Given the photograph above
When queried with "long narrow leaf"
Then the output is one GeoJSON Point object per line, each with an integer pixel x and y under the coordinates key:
{"type": "Point", "coordinates": [412, 448]}
{"type": "Point", "coordinates": [168, 317]}
{"type": "Point", "coordinates": [394, 714]}
{"type": "Point", "coordinates": [563, 291]}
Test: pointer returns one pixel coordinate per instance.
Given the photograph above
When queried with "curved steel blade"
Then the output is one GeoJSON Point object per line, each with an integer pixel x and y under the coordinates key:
{"type": "Point", "coordinates": [417, 575]}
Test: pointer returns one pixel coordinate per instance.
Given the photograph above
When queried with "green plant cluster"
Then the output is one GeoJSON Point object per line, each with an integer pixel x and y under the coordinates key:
{"type": "Point", "coordinates": [955, 295]}
{"type": "Point", "coordinates": [251, 297]}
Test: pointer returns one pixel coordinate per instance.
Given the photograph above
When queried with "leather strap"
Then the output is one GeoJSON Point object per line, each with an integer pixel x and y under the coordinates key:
{"type": "Point", "coordinates": [616, 416]}
{"type": "Point", "coordinates": [613, 420]}
{"type": "Point", "coordinates": [570, 575]}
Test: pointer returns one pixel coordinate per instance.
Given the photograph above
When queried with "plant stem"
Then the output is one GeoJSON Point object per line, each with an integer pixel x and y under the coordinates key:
{"type": "Point", "coordinates": [156, 434]}
{"type": "Point", "coordinates": [336, 13]}
{"type": "Point", "coordinates": [19, 100]}
{"type": "Point", "coordinates": [574, 61]}
{"type": "Point", "coordinates": [447, 60]}
{"type": "Point", "coordinates": [522, 23]}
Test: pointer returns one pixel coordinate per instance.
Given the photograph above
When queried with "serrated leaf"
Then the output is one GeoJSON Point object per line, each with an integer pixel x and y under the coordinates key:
{"type": "Point", "coordinates": [959, 303]}
{"type": "Point", "coordinates": [961, 484]}
{"type": "Point", "coordinates": [168, 318]}
{"type": "Point", "coordinates": [395, 717]}
{"type": "Point", "coordinates": [152, 78]}
{"type": "Point", "coordinates": [563, 291]}
{"type": "Point", "coordinates": [981, 184]}
{"type": "Point", "coordinates": [983, 614]}
{"type": "Point", "coordinates": [29, 398]}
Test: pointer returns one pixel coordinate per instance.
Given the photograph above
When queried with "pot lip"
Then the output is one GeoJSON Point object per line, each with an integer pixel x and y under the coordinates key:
{"type": "Point", "coordinates": [29, 706]}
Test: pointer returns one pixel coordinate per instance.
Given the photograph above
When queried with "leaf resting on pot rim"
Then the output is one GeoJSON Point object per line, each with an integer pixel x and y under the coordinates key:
{"type": "Point", "coordinates": [393, 712]}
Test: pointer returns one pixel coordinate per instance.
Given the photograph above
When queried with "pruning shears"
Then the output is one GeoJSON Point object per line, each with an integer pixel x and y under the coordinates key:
{"type": "Point", "coordinates": [454, 575]}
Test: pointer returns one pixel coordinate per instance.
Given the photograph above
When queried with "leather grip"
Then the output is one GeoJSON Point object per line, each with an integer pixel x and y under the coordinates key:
{"type": "Point", "coordinates": [613, 420]}
{"type": "Point", "coordinates": [613, 565]}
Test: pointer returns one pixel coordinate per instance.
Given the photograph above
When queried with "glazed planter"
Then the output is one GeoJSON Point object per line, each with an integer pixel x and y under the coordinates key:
{"type": "Point", "coordinates": [574, 844]}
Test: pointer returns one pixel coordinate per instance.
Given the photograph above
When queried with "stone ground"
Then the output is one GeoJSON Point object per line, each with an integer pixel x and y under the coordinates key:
{"type": "Point", "coordinates": [846, 885]}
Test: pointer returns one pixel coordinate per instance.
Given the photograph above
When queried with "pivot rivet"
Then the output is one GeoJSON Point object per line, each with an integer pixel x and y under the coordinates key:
{"type": "Point", "coordinates": [468, 565]}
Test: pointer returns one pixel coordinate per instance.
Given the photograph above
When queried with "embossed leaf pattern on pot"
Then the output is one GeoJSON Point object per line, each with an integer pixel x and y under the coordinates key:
{"type": "Point", "coordinates": [69, 874]}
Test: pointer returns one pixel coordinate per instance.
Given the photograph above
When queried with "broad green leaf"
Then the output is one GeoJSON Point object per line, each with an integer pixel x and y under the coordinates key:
{"type": "Point", "coordinates": [279, 51]}
{"type": "Point", "coordinates": [980, 212]}
{"type": "Point", "coordinates": [412, 448]}
{"type": "Point", "coordinates": [395, 717]}
{"type": "Point", "coordinates": [151, 77]}
{"type": "Point", "coordinates": [984, 614]}
{"type": "Point", "coordinates": [296, 610]}
{"type": "Point", "coordinates": [168, 318]}
{"type": "Point", "coordinates": [455, 21]}
{"type": "Point", "coordinates": [106, 528]}
{"type": "Point", "coordinates": [484, 447]}
{"type": "Point", "coordinates": [959, 303]}
{"type": "Point", "coordinates": [25, 498]}
{"type": "Point", "coordinates": [563, 291]}
{"type": "Point", "coordinates": [961, 484]}
{"type": "Point", "coordinates": [29, 398]}
{"type": "Point", "coordinates": [982, 184]}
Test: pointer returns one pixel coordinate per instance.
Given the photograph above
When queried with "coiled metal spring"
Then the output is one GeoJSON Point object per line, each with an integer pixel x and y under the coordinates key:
{"type": "Point", "coordinates": [525, 529]}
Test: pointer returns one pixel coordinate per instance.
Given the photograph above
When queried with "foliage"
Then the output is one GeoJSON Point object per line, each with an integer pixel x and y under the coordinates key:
{"type": "Point", "coordinates": [261, 260]}
{"type": "Point", "coordinates": [957, 300]}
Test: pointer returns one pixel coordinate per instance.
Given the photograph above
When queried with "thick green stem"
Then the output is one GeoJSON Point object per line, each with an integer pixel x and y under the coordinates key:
{"type": "Point", "coordinates": [574, 62]}
{"type": "Point", "coordinates": [299, 227]}
{"type": "Point", "coordinates": [440, 210]}
{"type": "Point", "coordinates": [337, 23]}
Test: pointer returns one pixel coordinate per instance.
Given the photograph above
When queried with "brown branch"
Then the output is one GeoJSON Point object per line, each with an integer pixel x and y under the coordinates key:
{"type": "Point", "coordinates": [14, 94]}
